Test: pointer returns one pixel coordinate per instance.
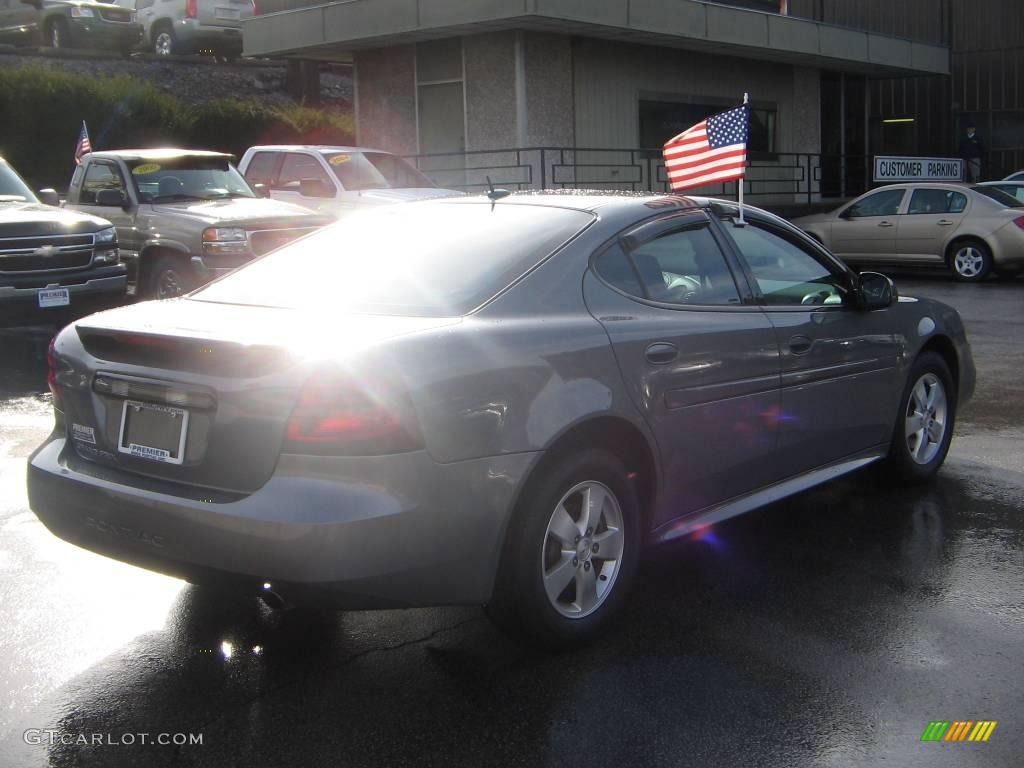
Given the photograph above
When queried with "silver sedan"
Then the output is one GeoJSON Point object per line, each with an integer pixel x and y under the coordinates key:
{"type": "Point", "coordinates": [971, 230]}
{"type": "Point", "coordinates": [488, 401]}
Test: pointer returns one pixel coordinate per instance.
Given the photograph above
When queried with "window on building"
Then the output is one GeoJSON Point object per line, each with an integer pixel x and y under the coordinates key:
{"type": "Point", "coordinates": [661, 120]}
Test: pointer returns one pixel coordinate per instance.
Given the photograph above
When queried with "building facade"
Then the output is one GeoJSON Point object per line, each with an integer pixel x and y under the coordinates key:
{"type": "Point", "coordinates": [583, 92]}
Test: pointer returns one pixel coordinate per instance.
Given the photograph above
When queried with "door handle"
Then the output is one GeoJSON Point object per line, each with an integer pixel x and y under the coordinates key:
{"type": "Point", "coordinates": [944, 222]}
{"type": "Point", "coordinates": [661, 352]}
{"type": "Point", "coordinates": [885, 224]}
{"type": "Point", "coordinates": [800, 345]}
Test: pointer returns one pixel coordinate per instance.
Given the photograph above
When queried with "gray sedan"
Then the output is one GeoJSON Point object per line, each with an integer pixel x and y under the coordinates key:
{"type": "Point", "coordinates": [495, 402]}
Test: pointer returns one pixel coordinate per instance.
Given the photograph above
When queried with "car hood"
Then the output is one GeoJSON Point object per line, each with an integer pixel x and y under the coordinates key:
{"type": "Point", "coordinates": [409, 195]}
{"type": "Point", "coordinates": [239, 209]}
{"type": "Point", "coordinates": [814, 218]}
{"type": "Point", "coordinates": [253, 326]}
{"type": "Point", "coordinates": [27, 219]}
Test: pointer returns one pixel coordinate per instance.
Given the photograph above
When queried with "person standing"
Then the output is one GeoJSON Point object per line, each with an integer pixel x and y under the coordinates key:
{"type": "Point", "coordinates": [971, 150]}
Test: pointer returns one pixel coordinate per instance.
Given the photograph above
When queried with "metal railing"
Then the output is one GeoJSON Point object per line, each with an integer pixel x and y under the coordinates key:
{"type": "Point", "coordinates": [777, 178]}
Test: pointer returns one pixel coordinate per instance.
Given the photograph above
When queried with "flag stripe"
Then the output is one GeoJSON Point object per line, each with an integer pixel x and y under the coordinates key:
{"type": "Point", "coordinates": [713, 150]}
{"type": "Point", "coordinates": [712, 166]}
{"type": "Point", "coordinates": [714, 153]}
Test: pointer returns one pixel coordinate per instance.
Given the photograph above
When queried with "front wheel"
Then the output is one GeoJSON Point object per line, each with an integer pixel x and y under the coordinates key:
{"type": "Point", "coordinates": [572, 552]}
{"type": "Point", "coordinates": [924, 426]}
{"type": "Point", "coordinates": [164, 42]}
{"type": "Point", "coordinates": [171, 277]}
{"type": "Point", "coordinates": [971, 261]}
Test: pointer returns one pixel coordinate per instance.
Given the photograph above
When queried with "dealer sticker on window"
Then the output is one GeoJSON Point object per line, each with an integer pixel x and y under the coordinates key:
{"type": "Point", "coordinates": [83, 433]}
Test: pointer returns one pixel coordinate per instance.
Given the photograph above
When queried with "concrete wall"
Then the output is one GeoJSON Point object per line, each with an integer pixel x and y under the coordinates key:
{"type": "Point", "coordinates": [385, 96]}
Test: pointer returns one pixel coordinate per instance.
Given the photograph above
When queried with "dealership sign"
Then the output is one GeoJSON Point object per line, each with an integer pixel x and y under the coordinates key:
{"type": "Point", "coordinates": [889, 169]}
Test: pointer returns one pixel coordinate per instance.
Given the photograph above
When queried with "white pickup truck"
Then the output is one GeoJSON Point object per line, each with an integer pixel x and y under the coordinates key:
{"type": "Point", "coordinates": [335, 180]}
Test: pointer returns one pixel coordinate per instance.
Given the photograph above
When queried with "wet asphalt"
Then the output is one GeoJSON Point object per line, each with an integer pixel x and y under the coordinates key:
{"type": "Point", "coordinates": [826, 630]}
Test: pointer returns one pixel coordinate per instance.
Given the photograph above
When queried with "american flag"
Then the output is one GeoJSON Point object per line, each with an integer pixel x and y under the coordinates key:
{"type": "Point", "coordinates": [713, 150]}
{"type": "Point", "coordinates": [83, 147]}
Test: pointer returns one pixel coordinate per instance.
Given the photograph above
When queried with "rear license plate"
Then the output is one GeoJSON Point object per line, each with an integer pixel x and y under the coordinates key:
{"type": "Point", "coordinates": [228, 13]}
{"type": "Point", "coordinates": [154, 432]}
{"type": "Point", "coordinates": [54, 297]}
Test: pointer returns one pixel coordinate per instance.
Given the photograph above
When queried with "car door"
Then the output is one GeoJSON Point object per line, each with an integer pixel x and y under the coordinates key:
{"type": "Point", "coordinates": [866, 229]}
{"type": "Point", "coordinates": [107, 174]}
{"type": "Point", "coordinates": [839, 381]}
{"type": "Point", "coordinates": [933, 216]}
{"type": "Point", "coordinates": [700, 360]}
{"type": "Point", "coordinates": [292, 181]}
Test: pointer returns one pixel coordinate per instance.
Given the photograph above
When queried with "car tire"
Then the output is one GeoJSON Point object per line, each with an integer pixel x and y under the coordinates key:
{"type": "Point", "coordinates": [970, 260]}
{"type": "Point", "coordinates": [58, 34]}
{"type": "Point", "coordinates": [164, 41]}
{"type": "Point", "coordinates": [924, 424]}
{"type": "Point", "coordinates": [171, 276]}
{"type": "Point", "coordinates": [553, 543]}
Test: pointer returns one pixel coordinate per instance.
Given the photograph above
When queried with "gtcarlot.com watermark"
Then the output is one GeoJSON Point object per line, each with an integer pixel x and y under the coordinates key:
{"type": "Point", "coordinates": [49, 737]}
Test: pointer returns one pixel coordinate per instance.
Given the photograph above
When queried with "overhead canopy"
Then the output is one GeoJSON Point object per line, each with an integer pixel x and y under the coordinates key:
{"type": "Point", "coordinates": [294, 28]}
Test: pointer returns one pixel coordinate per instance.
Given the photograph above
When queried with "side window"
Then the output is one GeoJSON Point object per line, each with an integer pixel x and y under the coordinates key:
{"type": "Point", "coordinates": [785, 273]}
{"type": "Point", "coordinates": [682, 267]}
{"type": "Point", "coordinates": [297, 167]}
{"type": "Point", "coordinates": [936, 201]}
{"type": "Point", "coordinates": [261, 168]}
{"type": "Point", "coordinates": [99, 176]}
{"type": "Point", "coordinates": [884, 203]}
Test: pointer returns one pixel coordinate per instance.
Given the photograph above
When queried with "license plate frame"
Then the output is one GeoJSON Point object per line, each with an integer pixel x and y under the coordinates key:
{"type": "Point", "coordinates": [53, 297]}
{"type": "Point", "coordinates": [140, 450]}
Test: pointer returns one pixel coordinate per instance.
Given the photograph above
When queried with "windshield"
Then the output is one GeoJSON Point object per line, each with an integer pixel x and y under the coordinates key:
{"type": "Point", "coordinates": [999, 196]}
{"type": "Point", "coordinates": [12, 188]}
{"type": "Point", "coordinates": [187, 178]}
{"type": "Point", "coordinates": [424, 259]}
{"type": "Point", "coordinates": [375, 170]}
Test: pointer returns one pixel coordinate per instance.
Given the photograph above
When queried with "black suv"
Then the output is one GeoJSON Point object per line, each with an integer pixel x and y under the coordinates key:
{"type": "Point", "coordinates": [69, 24]}
{"type": "Point", "coordinates": [54, 264]}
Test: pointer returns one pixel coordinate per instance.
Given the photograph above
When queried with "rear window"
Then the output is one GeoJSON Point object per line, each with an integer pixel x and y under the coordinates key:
{"type": "Point", "coordinates": [423, 259]}
{"type": "Point", "coordinates": [999, 196]}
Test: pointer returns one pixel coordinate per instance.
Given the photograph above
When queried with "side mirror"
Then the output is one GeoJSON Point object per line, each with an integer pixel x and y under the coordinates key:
{"type": "Point", "coordinates": [261, 190]}
{"type": "Point", "coordinates": [315, 188]}
{"type": "Point", "coordinates": [48, 197]}
{"type": "Point", "coordinates": [111, 198]}
{"type": "Point", "coordinates": [875, 291]}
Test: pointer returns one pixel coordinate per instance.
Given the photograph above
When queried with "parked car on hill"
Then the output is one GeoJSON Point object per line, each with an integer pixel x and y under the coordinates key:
{"type": "Point", "coordinates": [69, 24]}
{"type": "Point", "coordinates": [183, 216]}
{"type": "Point", "coordinates": [1012, 188]}
{"type": "Point", "coordinates": [53, 263]}
{"type": "Point", "coordinates": [173, 27]}
{"type": "Point", "coordinates": [336, 180]}
{"type": "Point", "coordinates": [971, 230]}
{"type": "Point", "coordinates": [488, 401]}
{"type": "Point", "coordinates": [1018, 176]}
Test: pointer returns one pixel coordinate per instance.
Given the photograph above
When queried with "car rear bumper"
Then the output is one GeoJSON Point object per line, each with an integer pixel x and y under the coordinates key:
{"type": "Point", "coordinates": [373, 532]}
{"type": "Point", "coordinates": [198, 37]}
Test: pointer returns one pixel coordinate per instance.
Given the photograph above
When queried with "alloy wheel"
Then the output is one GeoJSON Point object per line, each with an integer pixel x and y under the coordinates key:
{"type": "Point", "coordinates": [582, 549]}
{"type": "Point", "coordinates": [969, 262]}
{"type": "Point", "coordinates": [164, 44]}
{"type": "Point", "coordinates": [926, 419]}
{"type": "Point", "coordinates": [168, 285]}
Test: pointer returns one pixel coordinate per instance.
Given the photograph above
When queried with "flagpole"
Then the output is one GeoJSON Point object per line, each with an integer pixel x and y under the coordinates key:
{"type": "Point", "coordinates": [741, 222]}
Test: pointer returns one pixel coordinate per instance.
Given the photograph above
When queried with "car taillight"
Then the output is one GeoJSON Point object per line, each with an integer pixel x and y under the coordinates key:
{"type": "Point", "coordinates": [1019, 221]}
{"type": "Point", "coordinates": [191, 8]}
{"type": "Point", "coordinates": [343, 417]}
{"type": "Point", "coordinates": [51, 373]}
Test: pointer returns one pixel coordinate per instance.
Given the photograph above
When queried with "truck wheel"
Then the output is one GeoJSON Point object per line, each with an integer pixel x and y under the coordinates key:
{"type": "Point", "coordinates": [164, 41]}
{"type": "Point", "coordinates": [171, 276]}
{"type": "Point", "coordinates": [58, 35]}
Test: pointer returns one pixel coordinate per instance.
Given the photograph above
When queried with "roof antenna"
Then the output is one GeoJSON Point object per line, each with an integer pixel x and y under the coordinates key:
{"type": "Point", "coordinates": [495, 194]}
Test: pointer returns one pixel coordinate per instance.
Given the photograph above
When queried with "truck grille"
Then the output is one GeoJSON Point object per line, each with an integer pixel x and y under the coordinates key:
{"type": "Point", "coordinates": [265, 240]}
{"type": "Point", "coordinates": [48, 253]}
{"type": "Point", "coordinates": [113, 14]}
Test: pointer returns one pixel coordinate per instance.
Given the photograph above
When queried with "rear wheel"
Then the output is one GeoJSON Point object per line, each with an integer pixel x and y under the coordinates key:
{"type": "Point", "coordinates": [924, 426]}
{"type": "Point", "coordinates": [970, 260]}
{"type": "Point", "coordinates": [164, 41]}
{"type": "Point", "coordinates": [171, 276]}
{"type": "Point", "coordinates": [571, 553]}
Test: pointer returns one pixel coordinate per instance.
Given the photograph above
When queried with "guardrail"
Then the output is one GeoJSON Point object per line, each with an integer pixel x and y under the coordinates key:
{"type": "Point", "coordinates": [771, 178]}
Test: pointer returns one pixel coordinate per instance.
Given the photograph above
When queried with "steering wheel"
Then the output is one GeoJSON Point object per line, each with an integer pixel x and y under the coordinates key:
{"type": "Point", "coordinates": [682, 289]}
{"type": "Point", "coordinates": [818, 297]}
